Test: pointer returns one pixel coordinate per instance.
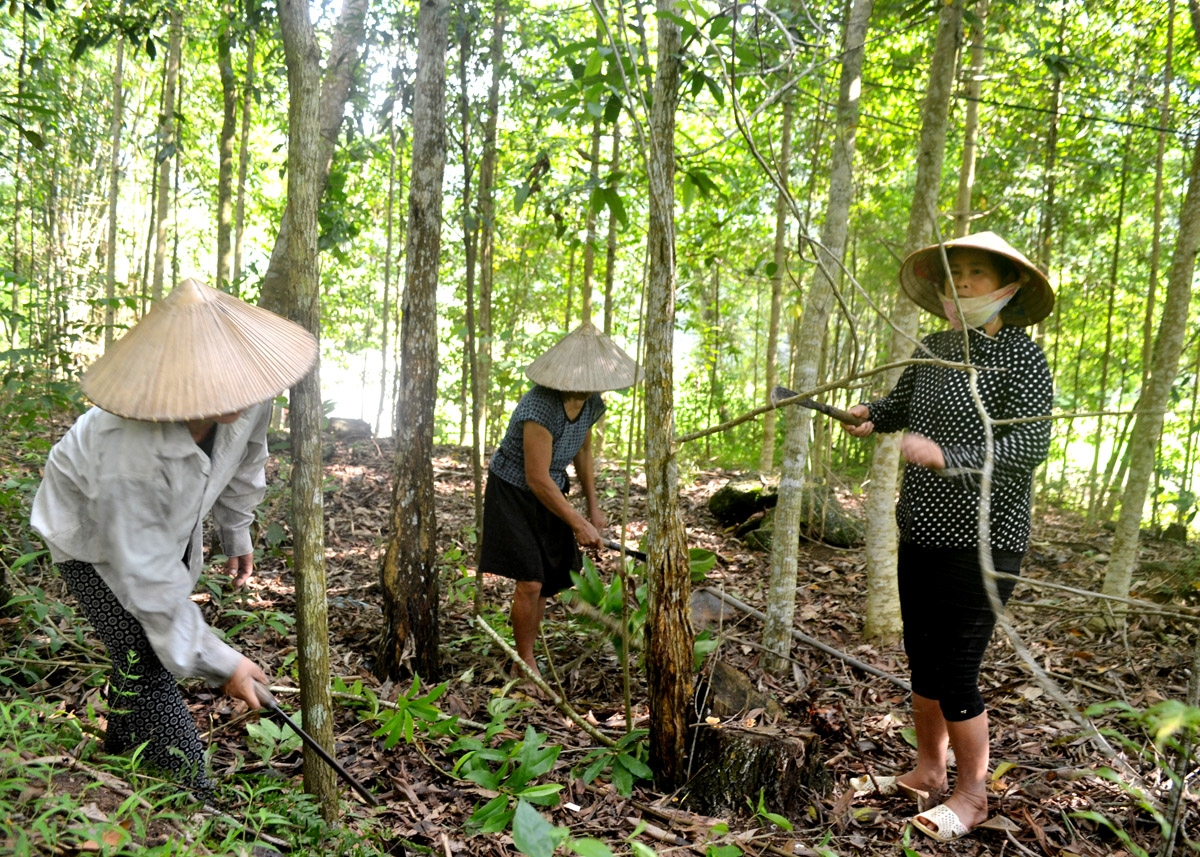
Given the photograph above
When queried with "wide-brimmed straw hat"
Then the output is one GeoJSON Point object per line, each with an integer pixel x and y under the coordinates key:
{"type": "Point", "coordinates": [584, 361]}
{"type": "Point", "coordinates": [922, 275]}
{"type": "Point", "coordinates": [199, 353]}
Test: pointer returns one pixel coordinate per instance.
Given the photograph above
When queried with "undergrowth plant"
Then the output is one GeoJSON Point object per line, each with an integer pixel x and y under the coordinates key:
{"type": "Point", "coordinates": [1173, 728]}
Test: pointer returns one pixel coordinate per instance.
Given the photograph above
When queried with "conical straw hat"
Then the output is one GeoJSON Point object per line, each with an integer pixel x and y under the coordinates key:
{"type": "Point", "coordinates": [922, 274]}
{"type": "Point", "coordinates": [199, 353]}
{"type": "Point", "coordinates": [584, 361]}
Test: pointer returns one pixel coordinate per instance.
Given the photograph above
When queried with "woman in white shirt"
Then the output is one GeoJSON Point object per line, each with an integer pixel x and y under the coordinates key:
{"type": "Point", "coordinates": [183, 404]}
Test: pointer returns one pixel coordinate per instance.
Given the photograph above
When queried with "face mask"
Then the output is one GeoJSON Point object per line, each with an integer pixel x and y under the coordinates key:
{"type": "Point", "coordinates": [978, 312]}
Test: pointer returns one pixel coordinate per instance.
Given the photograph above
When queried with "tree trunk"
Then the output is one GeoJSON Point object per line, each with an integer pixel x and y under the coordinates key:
{"type": "Point", "coordinates": [225, 152]}
{"type": "Point", "coordinates": [883, 602]}
{"type": "Point", "coordinates": [389, 249]}
{"type": "Point", "coordinates": [589, 248]}
{"type": "Point", "coordinates": [781, 592]}
{"type": "Point", "coordinates": [600, 430]}
{"type": "Point", "coordinates": [303, 59]}
{"type": "Point", "coordinates": [1156, 394]}
{"type": "Point", "coordinates": [114, 189]}
{"type": "Point", "coordinates": [1045, 248]}
{"type": "Point", "coordinates": [1164, 118]}
{"type": "Point", "coordinates": [1095, 490]}
{"type": "Point", "coordinates": [482, 337]}
{"type": "Point", "coordinates": [409, 575]}
{"type": "Point", "coordinates": [335, 89]}
{"type": "Point", "coordinates": [239, 213]}
{"type": "Point", "coordinates": [766, 457]}
{"type": "Point", "coordinates": [470, 232]}
{"type": "Point", "coordinates": [966, 173]}
{"type": "Point", "coordinates": [668, 626]}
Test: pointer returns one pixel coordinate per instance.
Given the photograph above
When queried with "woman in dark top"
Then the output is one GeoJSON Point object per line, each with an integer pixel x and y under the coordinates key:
{"type": "Point", "coordinates": [948, 619]}
{"type": "Point", "coordinates": [531, 532]}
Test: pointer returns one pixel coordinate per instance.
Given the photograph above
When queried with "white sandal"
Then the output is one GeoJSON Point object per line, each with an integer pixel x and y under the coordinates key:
{"type": "Point", "coordinates": [942, 823]}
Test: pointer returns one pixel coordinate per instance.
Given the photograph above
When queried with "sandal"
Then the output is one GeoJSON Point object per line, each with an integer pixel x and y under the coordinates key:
{"type": "Point", "coordinates": [942, 823]}
{"type": "Point", "coordinates": [885, 786]}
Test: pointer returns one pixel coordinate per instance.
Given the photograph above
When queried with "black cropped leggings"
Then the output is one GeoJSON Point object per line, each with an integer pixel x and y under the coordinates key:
{"type": "Point", "coordinates": [144, 702]}
{"type": "Point", "coordinates": [948, 622]}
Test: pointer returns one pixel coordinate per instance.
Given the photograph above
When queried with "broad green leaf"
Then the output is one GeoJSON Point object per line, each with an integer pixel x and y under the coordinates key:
{"type": "Point", "coordinates": [532, 834]}
{"type": "Point", "coordinates": [590, 848]}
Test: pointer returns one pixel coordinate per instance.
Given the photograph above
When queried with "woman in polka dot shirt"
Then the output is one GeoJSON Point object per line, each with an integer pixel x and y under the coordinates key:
{"type": "Point", "coordinates": [948, 619]}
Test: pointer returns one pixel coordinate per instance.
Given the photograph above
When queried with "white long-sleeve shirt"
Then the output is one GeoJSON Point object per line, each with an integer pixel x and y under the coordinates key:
{"type": "Point", "coordinates": [129, 496]}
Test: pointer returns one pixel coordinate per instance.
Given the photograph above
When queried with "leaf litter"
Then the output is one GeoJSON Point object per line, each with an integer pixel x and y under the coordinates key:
{"type": "Point", "coordinates": [1049, 795]}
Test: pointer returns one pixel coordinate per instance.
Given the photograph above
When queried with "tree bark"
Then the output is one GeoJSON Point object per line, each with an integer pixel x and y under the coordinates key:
{"type": "Point", "coordinates": [409, 574]}
{"type": "Point", "coordinates": [883, 600]}
{"type": "Point", "coordinates": [966, 173]}
{"type": "Point", "coordinates": [668, 626]}
{"type": "Point", "coordinates": [482, 337]}
{"type": "Point", "coordinates": [114, 188]}
{"type": "Point", "coordinates": [303, 59]}
{"type": "Point", "coordinates": [239, 212]}
{"type": "Point", "coordinates": [781, 592]}
{"type": "Point", "coordinates": [766, 457]}
{"type": "Point", "coordinates": [335, 89]}
{"type": "Point", "coordinates": [225, 151]}
{"type": "Point", "coordinates": [1157, 391]}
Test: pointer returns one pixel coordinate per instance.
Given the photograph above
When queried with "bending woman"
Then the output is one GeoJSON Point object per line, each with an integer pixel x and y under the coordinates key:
{"type": "Point", "coordinates": [179, 430]}
{"type": "Point", "coordinates": [531, 532]}
{"type": "Point", "coordinates": [947, 617]}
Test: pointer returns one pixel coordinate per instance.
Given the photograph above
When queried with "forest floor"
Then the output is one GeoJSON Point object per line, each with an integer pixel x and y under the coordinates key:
{"type": "Point", "coordinates": [1050, 795]}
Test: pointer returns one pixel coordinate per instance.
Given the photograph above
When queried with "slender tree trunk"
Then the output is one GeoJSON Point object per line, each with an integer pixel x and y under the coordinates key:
{"type": "Point", "coordinates": [166, 151]}
{"type": "Point", "coordinates": [1045, 249]}
{"type": "Point", "coordinates": [389, 248]}
{"type": "Point", "coordinates": [1156, 394]}
{"type": "Point", "coordinates": [239, 212]}
{"type": "Point", "coordinates": [883, 614]}
{"type": "Point", "coordinates": [17, 173]}
{"type": "Point", "coordinates": [487, 233]}
{"type": "Point", "coordinates": [1164, 118]}
{"type": "Point", "coordinates": [766, 457]}
{"type": "Point", "coordinates": [114, 188]}
{"type": "Point", "coordinates": [600, 430]}
{"type": "Point", "coordinates": [1095, 490]}
{"type": "Point", "coordinates": [785, 543]}
{"type": "Point", "coordinates": [668, 626]}
{"type": "Point", "coordinates": [303, 58]}
{"type": "Point", "coordinates": [409, 575]}
{"type": "Point", "coordinates": [966, 174]}
{"type": "Point", "coordinates": [225, 143]}
{"type": "Point", "coordinates": [589, 247]}
{"type": "Point", "coordinates": [470, 227]}
{"type": "Point", "coordinates": [335, 89]}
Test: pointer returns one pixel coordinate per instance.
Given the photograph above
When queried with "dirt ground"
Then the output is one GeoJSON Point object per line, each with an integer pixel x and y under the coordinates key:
{"type": "Point", "coordinates": [1048, 792]}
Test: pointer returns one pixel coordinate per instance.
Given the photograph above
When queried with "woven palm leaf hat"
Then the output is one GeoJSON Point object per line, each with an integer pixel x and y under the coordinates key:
{"type": "Point", "coordinates": [199, 353]}
{"type": "Point", "coordinates": [584, 361]}
{"type": "Point", "coordinates": [922, 274]}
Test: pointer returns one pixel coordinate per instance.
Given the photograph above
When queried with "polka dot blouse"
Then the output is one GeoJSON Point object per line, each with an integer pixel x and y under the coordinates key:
{"type": "Point", "coordinates": [941, 509]}
{"type": "Point", "coordinates": [544, 407]}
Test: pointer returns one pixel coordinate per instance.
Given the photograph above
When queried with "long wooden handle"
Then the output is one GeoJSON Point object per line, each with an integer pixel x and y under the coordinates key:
{"type": "Point", "coordinates": [269, 703]}
{"type": "Point", "coordinates": [781, 393]}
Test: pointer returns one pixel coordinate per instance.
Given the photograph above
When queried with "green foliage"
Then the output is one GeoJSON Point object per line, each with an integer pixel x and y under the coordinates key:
{"type": "Point", "coordinates": [761, 812]}
{"type": "Point", "coordinates": [270, 740]}
{"type": "Point", "coordinates": [1173, 728]}
{"type": "Point", "coordinates": [510, 769]}
{"type": "Point", "coordinates": [624, 763]}
{"type": "Point", "coordinates": [413, 712]}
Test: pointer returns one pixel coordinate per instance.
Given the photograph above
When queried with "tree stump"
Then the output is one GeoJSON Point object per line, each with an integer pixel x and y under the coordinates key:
{"type": "Point", "coordinates": [733, 764]}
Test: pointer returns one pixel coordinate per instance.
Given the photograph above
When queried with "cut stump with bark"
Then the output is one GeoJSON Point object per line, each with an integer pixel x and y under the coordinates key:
{"type": "Point", "coordinates": [733, 764]}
